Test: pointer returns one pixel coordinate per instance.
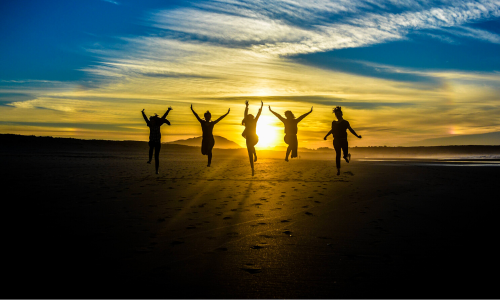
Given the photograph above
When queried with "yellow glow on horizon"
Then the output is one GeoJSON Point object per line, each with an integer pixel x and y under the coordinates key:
{"type": "Point", "coordinates": [267, 132]}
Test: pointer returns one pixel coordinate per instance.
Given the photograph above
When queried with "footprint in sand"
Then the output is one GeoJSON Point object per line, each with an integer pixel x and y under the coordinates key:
{"type": "Point", "coordinates": [252, 270]}
{"type": "Point", "coordinates": [285, 221]}
{"type": "Point", "coordinates": [174, 243]}
{"type": "Point", "coordinates": [308, 213]}
{"type": "Point", "coordinates": [226, 218]}
{"type": "Point", "coordinates": [256, 247]}
{"type": "Point", "coordinates": [287, 232]}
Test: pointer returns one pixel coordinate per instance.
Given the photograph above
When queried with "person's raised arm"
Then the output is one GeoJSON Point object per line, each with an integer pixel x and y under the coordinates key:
{"type": "Point", "coordinates": [353, 132]}
{"type": "Point", "coordinates": [329, 132]}
{"type": "Point", "coordinates": [163, 118]}
{"type": "Point", "coordinates": [304, 115]}
{"type": "Point", "coordinates": [166, 114]}
{"type": "Point", "coordinates": [145, 118]}
{"type": "Point", "coordinates": [222, 117]}
{"type": "Point", "coordinates": [246, 110]}
{"type": "Point", "coordinates": [277, 114]}
{"type": "Point", "coordinates": [260, 111]}
{"type": "Point", "coordinates": [195, 114]}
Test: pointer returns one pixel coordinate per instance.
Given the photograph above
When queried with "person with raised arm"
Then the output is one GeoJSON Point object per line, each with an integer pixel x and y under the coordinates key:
{"type": "Point", "coordinates": [339, 133]}
{"type": "Point", "coordinates": [207, 141]}
{"type": "Point", "coordinates": [291, 130]}
{"type": "Point", "coordinates": [154, 123]}
{"type": "Point", "coordinates": [250, 133]}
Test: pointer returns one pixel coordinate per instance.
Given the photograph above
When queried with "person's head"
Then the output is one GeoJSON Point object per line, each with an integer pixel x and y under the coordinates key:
{"type": "Point", "coordinates": [154, 118]}
{"type": "Point", "coordinates": [338, 112]}
{"type": "Point", "coordinates": [247, 119]}
{"type": "Point", "coordinates": [289, 115]}
{"type": "Point", "coordinates": [207, 116]}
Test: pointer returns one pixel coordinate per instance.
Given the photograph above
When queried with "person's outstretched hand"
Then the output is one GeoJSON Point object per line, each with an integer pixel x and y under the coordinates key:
{"type": "Point", "coordinates": [311, 108]}
{"type": "Point", "coordinates": [359, 136]}
{"type": "Point", "coordinates": [324, 138]}
{"type": "Point", "coordinates": [270, 108]}
{"type": "Point", "coordinates": [142, 110]}
{"type": "Point", "coordinates": [170, 108]}
{"type": "Point", "coordinates": [228, 110]}
{"type": "Point", "coordinates": [261, 104]}
{"type": "Point", "coordinates": [246, 103]}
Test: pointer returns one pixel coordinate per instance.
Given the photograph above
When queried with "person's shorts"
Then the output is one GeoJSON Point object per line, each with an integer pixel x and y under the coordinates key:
{"type": "Point", "coordinates": [154, 144]}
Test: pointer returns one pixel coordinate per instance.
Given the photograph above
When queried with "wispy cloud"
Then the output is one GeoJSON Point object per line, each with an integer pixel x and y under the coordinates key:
{"type": "Point", "coordinates": [111, 1]}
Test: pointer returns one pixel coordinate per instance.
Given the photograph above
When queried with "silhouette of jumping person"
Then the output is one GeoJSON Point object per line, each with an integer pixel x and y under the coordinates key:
{"type": "Point", "coordinates": [340, 137]}
{"type": "Point", "coordinates": [291, 130]}
{"type": "Point", "coordinates": [207, 141]}
{"type": "Point", "coordinates": [154, 124]}
{"type": "Point", "coordinates": [250, 133]}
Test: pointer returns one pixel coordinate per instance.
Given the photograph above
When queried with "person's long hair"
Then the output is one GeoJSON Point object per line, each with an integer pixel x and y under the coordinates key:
{"type": "Point", "coordinates": [289, 113]}
{"type": "Point", "coordinates": [249, 117]}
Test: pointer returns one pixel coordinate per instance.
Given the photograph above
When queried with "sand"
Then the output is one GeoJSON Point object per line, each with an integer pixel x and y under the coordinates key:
{"type": "Point", "coordinates": [103, 225]}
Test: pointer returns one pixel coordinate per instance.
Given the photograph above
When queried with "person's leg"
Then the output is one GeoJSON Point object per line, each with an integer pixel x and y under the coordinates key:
{"type": "Point", "coordinates": [294, 145]}
{"type": "Point", "coordinates": [254, 154]}
{"type": "Point", "coordinates": [345, 149]}
{"type": "Point", "coordinates": [151, 147]}
{"type": "Point", "coordinates": [211, 144]}
{"type": "Point", "coordinates": [337, 147]}
{"type": "Point", "coordinates": [288, 150]}
{"type": "Point", "coordinates": [157, 156]}
{"type": "Point", "coordinates": [250, 156]}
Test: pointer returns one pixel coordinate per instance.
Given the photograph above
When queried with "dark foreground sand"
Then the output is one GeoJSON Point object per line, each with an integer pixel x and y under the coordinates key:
{"type": "Point", "coordinates": [103, 225]}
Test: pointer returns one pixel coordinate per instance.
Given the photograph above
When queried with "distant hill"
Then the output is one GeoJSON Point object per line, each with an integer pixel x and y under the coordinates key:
{"type": "Point", "coordinates": [220, 142]}
{"type": "Point", "coordinates": [491, 138]}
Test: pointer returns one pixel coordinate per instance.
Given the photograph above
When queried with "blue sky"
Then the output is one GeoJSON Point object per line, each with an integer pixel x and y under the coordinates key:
{"type": "Point", "coordinates": [403, 71]}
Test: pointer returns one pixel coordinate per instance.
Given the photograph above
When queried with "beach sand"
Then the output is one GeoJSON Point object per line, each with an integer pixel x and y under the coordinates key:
{"type": "Point", "coordinates": [103, 225]}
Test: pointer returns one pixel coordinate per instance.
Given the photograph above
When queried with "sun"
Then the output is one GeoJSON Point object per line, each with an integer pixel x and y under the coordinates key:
{"type": "Point", "coordinates": [267, 132]}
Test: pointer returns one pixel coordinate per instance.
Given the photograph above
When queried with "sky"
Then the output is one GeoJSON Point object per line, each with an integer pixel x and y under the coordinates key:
{"type": "Point", "coordinates": [404, 72]}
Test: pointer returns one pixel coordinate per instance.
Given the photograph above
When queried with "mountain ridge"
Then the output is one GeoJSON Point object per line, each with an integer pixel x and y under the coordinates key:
{"type": "Point", "coordinates": [220, 142]}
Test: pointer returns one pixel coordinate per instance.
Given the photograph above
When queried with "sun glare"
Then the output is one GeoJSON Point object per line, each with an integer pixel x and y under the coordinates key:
{"type": "Point", "coordinates": [267, 132]}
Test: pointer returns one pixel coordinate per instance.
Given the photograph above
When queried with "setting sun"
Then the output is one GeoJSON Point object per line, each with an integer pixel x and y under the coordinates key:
{"type": "Point", "coordinates": [267, 132]}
